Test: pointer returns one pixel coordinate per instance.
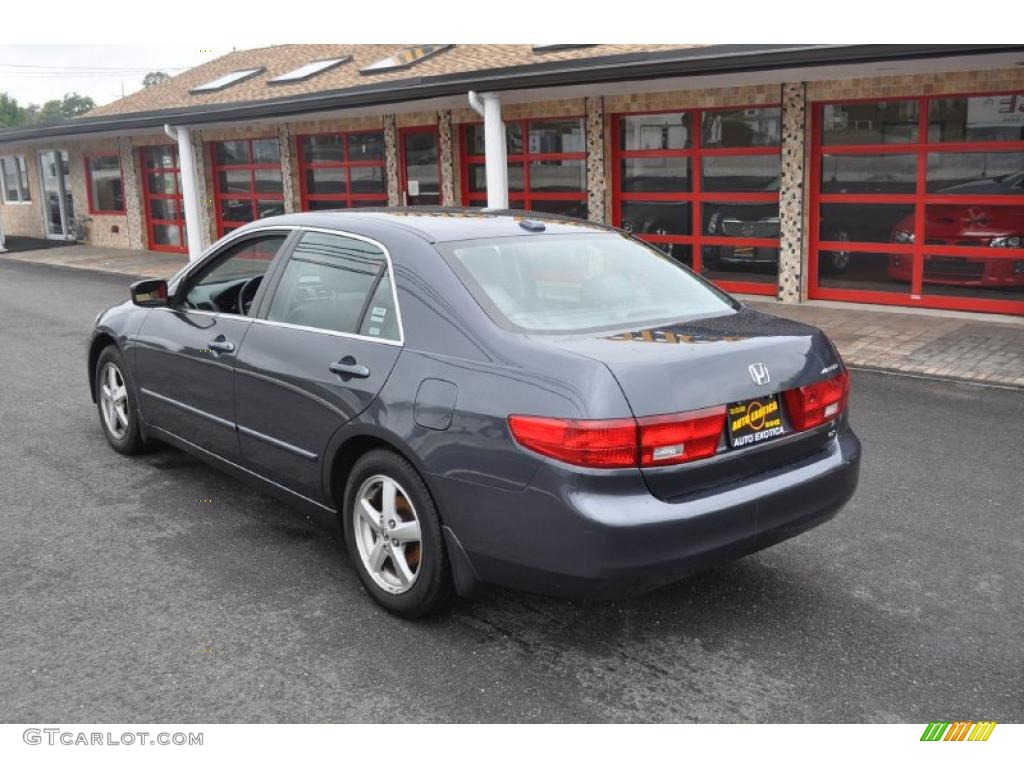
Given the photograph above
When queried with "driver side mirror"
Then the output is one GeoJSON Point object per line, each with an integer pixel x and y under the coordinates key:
{"type": "Point", "coordinates": [149, 293]}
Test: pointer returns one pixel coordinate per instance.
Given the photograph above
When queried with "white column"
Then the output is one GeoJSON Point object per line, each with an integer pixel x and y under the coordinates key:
{"type": "Point", "coordinates": [494, 148]}
{"type": "Point", "coordinates": [191, 191]}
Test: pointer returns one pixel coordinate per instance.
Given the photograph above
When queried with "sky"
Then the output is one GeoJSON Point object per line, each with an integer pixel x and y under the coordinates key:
{"type": "Point", "coordinates": [38, 73]}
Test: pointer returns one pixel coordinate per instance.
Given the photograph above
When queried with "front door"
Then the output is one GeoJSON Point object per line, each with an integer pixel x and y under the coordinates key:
{"type": "Point", "coordinates": [421, 168]}
{"type": "Point", "coordinates": [58, 205]}
{"type": "Point", "coordinates": [186, 355]}
{"type": "Point", "coordinates": [315, 358]}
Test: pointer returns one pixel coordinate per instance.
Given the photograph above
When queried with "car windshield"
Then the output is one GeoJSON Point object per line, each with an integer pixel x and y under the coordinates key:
{"type": "Point", "coordinates": [577, 283]}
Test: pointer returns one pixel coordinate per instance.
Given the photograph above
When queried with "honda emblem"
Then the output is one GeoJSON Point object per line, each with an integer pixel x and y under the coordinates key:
{"type": "Point", "coordinates": [759, 373]}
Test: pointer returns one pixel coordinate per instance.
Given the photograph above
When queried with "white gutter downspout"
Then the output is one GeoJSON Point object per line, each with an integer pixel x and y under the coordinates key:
{"type": "Point", "coordinates": [494, 148]}
{"type": "Point", "coordinates": [190, 189]}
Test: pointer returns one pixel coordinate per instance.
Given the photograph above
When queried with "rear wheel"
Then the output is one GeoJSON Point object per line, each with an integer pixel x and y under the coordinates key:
{"type": "Point", "coordinates": [394, 537]}
{"type": "Point", "coordinates": [116, 403]}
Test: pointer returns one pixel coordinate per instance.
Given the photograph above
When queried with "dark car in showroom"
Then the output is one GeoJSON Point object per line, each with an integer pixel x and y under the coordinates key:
{"type": "Point", "coordinates": [485, 398]}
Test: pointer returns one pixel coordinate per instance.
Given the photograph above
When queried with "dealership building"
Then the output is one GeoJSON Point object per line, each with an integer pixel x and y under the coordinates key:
{"type": "Point", "coordinates": [887, 174]}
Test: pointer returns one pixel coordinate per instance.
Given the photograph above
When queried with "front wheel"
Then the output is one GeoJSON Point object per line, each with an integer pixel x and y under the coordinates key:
{"type": "Point", "coordinates": [393, 534]}
{"type": "Point", "coordinates": [116, 403]}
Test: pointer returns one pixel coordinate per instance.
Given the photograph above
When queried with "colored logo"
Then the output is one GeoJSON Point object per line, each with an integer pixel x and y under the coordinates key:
{"type": "Point", "coordinates": [961, 730]}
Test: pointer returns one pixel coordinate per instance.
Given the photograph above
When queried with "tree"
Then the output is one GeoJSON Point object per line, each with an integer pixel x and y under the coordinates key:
{"type": "Point", "coordinates": [11, 113]}
{"type": "Point", "coordinates": [75, 105]}
{"type": "Point", "coordinates": [72, 105]}
{"type": "Point", "coordinates": [153, 78]}
{"type": "Point", "coordinates": [50, 112]}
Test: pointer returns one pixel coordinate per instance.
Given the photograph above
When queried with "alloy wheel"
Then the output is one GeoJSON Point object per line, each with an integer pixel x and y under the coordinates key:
{"type": "Point", "coordinates": [114, 401]}
{"type": "Point", "coordinates": [387, 531]}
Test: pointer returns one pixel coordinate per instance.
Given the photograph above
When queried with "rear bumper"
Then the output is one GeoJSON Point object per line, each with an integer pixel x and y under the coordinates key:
{"type": "Point", "coordinates": [605, 536]}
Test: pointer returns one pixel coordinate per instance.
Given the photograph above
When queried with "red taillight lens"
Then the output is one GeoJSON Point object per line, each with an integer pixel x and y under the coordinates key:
{"type": "Point", "coordinates": [680, 437]}
{"type": "Point", "coordinates": [652, 441]}
{"type": "Point", "coordinates": [819, 402]}
{"type": "Point", "coordinates": [587, 443]}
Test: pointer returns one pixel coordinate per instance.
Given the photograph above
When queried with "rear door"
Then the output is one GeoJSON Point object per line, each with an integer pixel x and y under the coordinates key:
{"type": "Point", "coordinates": [317, 355]}
{"type": "Point", "coordinates": [186, 354]}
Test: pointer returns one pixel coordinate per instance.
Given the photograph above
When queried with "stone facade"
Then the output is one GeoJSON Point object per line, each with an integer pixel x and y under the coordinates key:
{"type": "Point", "coordinates": [596, 176]}
{"type": "Point", "coordinates": [791, 193]}
{"type": "Point", "coordinates": [447, 157]}
{"type": "Point", "coordinates": [391, 161]}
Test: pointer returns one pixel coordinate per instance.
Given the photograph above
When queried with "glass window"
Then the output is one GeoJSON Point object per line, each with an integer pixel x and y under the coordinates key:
{"type": "Point", "coordinates": [976, 173]}
{"type": "Point", "coordinates": [656, 174]}
{"type": "Point", "coordinates": [567, 284]}
{"type": "Point", "coordinates": [656, 217]}
{"type": "Point", "coordinates": [754, 127]}
{"type": "Point", "coordinates": [365, 146]}
{"type": "Point", "coordinates": [547, 168]}
{"type": "Point", "coordinates": [741, 219]}
{"type": "Point", "coordinates": [740, 173]}
{"type": "Point", "coordinates": [232, 152]}
{"type": "Point", "coordinates": [327, 282]}
{"type": "Point", "coordinates": [875, 122]}
{"type": "Point", "coordinates": [219, 287]}
{"type": "Point", "coordinates": [978, 118]}
{"type": "Point", "coordinates": [872, 174]}
{"type": "Point", "coordinates": [14, 178]}
{"type": "Point", "coordinates": [866, 222]}
{"type": "Point", "coordinates": [323, 149]}
{"type": "Point", "coordinates": [381, 319]}
{"type": "Point", "coordinates": [655, 131]}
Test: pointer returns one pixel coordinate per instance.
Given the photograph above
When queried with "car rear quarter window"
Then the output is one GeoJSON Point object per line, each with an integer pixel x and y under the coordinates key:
{"type": "Point", "coordinates": [570, 283]}
{"type": "Point", "coordinates": [336, 283]}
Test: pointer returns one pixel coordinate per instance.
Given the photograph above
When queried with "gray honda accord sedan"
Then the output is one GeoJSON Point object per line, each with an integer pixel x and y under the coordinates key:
{"type": "Point", "coordinates": [485, 398]}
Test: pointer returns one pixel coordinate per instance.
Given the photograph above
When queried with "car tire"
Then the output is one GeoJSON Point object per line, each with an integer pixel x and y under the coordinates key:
{"type": "Point", "coordinates": [115, 403]}
{"type": "Point", "coordinates": [385, 547]}
{"type": "Point", "coordinates": [838, 261]}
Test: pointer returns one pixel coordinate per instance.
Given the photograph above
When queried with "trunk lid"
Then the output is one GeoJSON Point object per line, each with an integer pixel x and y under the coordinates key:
{"type": "Point", "coordinates": [710, 362]}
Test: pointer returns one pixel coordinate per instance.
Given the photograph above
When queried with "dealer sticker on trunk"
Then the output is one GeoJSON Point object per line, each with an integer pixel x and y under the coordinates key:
{"type": "Point", "coordinates": [754, 421]}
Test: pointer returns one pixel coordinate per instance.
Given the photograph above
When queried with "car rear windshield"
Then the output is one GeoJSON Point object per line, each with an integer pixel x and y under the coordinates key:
{"type": "Point", "coordinates": [579, 283]}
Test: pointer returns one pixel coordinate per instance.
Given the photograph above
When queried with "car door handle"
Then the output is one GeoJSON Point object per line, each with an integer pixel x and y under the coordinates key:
{"type": "Point", "coordinates": [348, 366]}
{"type": "Point", "coordinates": [220, 345]}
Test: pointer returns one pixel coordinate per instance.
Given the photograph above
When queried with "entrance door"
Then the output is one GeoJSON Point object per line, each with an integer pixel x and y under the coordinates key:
{"type": "Point", "coordinates": [58, 205]}
{"type": "Point", "coordinates": [165, 208]}
{"type": "Point", "coordinates": [421, 169]}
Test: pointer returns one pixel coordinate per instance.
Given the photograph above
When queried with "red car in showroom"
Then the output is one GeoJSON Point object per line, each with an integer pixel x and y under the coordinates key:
{"type": "Point", "coordinates": [967, 224]}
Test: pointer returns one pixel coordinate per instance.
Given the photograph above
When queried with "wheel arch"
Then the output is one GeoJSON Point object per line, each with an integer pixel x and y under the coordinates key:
{"type": "Point", "coordinates": [100, 341]}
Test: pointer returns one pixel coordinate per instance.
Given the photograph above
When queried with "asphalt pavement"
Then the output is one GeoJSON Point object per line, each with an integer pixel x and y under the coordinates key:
{"type": "Point", "coordinates": [157, 589]}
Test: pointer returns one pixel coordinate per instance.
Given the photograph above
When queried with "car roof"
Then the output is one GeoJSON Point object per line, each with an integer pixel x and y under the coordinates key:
{"type": "Point", "coordinates": [436, 224]}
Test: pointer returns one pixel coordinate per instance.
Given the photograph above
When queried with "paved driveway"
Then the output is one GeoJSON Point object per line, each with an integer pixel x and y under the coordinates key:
{"type": "Point", "coordinates": [157, 589]}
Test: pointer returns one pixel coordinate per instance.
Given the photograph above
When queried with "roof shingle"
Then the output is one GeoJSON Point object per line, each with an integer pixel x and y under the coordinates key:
{"type": "Point", "coordinates": [280, 59]}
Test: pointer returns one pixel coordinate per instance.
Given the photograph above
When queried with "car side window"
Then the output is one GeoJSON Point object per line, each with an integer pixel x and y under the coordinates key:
{"type": "Point", "coordinates": [336, 283]}
{"type": "Point", "coordinates": [229, 283]}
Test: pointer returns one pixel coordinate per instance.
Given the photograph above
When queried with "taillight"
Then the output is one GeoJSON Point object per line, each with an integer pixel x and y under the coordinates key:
{"type": "Point", "coordinates": [651, 441]}
{"type": "Point", "coordinates": [680, 437]}
{"type": "Point", "coordinates": [586, 442]}
{"type": "Point", "coordinates": [817, 403]}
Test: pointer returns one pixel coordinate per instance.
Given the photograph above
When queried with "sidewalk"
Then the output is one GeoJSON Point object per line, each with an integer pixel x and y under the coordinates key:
{"type": "Point", "coordinates": [117, 260]}
{"type": "Point", "coordinates": [948, 345]}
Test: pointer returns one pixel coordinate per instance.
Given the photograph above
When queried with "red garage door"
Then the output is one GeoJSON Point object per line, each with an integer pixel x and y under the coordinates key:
{"type": "Point", "coordinates": [547, 165]}
{"type": "Point", "coordinates": [161, 191]}
{"type": "Point", "coordinates": [919, 202]}
{"type": "Point", "coordinates": [703, 185]}
{"type": "Point", "coordinates": [246, 181]}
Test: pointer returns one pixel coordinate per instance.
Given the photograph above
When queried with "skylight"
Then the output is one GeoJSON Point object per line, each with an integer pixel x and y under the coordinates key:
{"type": "Point", "coordinates": [225, 81]}
{"type": "Point", "coordinates": [404, 58]}
{"type": "Point", "coordinates": [552, 47]}
{"type": "Point", "coordinates": [307, 71]}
